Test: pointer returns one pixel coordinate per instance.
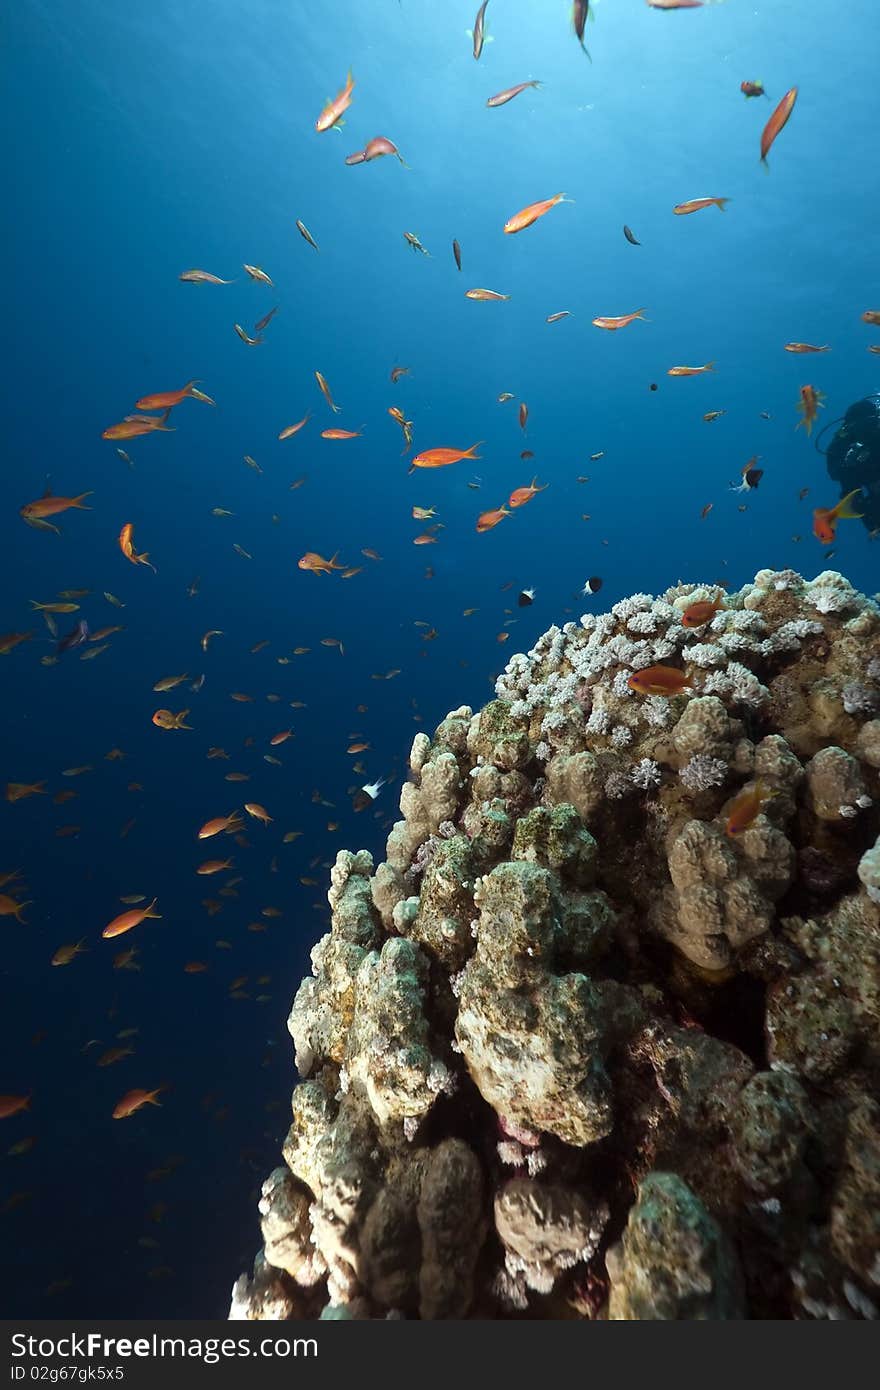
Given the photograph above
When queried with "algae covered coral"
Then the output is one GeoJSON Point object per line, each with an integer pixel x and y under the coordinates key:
{"type": "Point", "coordinates": [575, 1050]}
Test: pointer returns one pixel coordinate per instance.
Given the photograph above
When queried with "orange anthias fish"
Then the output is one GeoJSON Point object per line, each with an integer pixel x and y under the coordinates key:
{"type": "Point", "coordinates": [825, 519]}
{"type": "Point", "coordinates": [164, 719]}
{"type": "Point", "coordinates": [440, 458]}
{"type": "Point", "coordinates": [675, 4]}
{"type": "Point", "coordinates": [12, 1105]}
{"type": "Point", "coordinates": [521, 495]}
{"type": "Point", "coordinates": [871, 316]}
{"type": "Point", "coordinates": [126, 545]}
{"type": "Point", "coordinates": [340, 434]}
{"type": "Point", "coordinates": [164, 400]}
{"type": "Point", "coordinates": [702, 611]}
{"type": "Point", "coordinates": [746, 806]}
{"type": "Point", "coordinates": [127, 920]}
{"type": "Point", "coordinates": [659, 680]}
{"type": "Point", "coordinates": [502, 98]}
{"type": "Point", "coordinates": [696, 204]}
{"type": "Point", "coordinates": [691, 371]}
{"type": "Point", "coordinates": [317, 564]}
{"type": "Point", "coordinates": [613, 323]}
{"type": "Point", "coordinates": [806, 347]}
{"type": "Point", "coordinates": [47, 505]}
{"type": "Point", "coordinates": [485, 296]}
{"type": "Point", "coordinates": [777, 122]}
{"type": "Point", "coordinates": [325, 392]}
{"type": "Point", "coordinates": [133, 1100]}
{"type": "Point", "coordinates": [809, 405]}
{"type": "Point", "coordinates": [134, 425]}
{"type": "Point", "coordinates": [335, 109]}
{"type": "Point", "coordinates": [527, 216]}
{"type": "Point", "coordinates": [230, 824]}
{"type": "Point", "coordinates": [10, 640]}
{"type": "Point", "coordinates": [486, 520]}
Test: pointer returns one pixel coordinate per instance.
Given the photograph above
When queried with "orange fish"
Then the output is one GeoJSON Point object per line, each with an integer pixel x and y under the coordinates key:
{"type": "Point", "coordinates": [523, 415]}
{"type": "Point", "coordinates": [872, 316]}
{"type": "Point", "coordinates": [691, 371]}
{"type": "Point", "coordinates": [134, 425]}
{"type": "Point", "coordinates": [426, 538]}
{"type": "Point", "coordinates": [702, 611]}
{"type": "Point", "coordinates": [747, 806]}
{"type": "Point", "coordinates": [230, 824]}
{"type": "Point", "coordinates": [486, 520]}
{"type": "Point", "coordinates": [806, 347]}
{"type": "Point", "coordinates": [502, 98]}
{"type": "Point", "coordinates": [258, 812]}
{"type": "Point", "coordinates": [281, 737]}
{"type": "Point", "coordinates": [777, 122]}
{"type": "Point", "coordinates": [10, 640]}
{"type": "Point", "coordinates": [127, 920]}
{"type": "Point", "coordinates": [126, 545]}
{"type": "Point", "coordinates": [294, 429]}
{"type": "Point", "coordinates": [133, 1100]}
{"type": "Point", "coordinates": [521, 495]}
{"type": "Point", "coordinates": [527, 216]}
{"type": "Point", "coordinates": [65, 954]}
{"type": "Point", "coordinates": [335, 109]}
{"type": "Point", "coordinates": [659, 680]}
{"type": "Point", "coordinates": [440, 458]}
{"type": "Point", "coordinates": [485, 296]}
{"type": "Point", "coordinates": [10, 907]}
{"type": "Point", "coordinates": [825, 519]}
{"type": "Point", "coordinates": [696, 204]}
{"type": "Point", "coordinates": [613, 323]}
{"type": "Point", "coordinates": [809, 405]}
{"type": "Point", "coordinates": [13, 1105]}
{"type": "Point", "coordinates": [326, 393]}
{"type": "Point", "coordinates": [164, 400]}
{"type": "Point", "coordinates": [340, 434]}
{"type": "Point", "coordinates": [164, 719]}
{"type": "Point", "coordinates": [214, 866]}
{"type": "Point", "coordinates": [17, 791]}
{"type": "Point", "coordinates": [317, 564]}
{"type": "Point", "coordinates": [47, 505]}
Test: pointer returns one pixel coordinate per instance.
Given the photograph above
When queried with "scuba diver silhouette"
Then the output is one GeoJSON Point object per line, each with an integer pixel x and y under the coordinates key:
{"type": "Point", "coordinates": [853, 456]}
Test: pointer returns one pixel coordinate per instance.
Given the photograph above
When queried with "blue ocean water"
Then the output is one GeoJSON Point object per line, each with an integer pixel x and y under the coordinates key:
{"type": "Point", "coordinates": [150, 139]}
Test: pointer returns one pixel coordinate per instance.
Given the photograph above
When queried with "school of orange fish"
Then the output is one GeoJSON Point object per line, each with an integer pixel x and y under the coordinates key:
{"type": "Point", "coordinates": [151, 415]}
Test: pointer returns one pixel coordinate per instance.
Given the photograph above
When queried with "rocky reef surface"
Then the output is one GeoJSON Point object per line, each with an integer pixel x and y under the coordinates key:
{"type": "Point", "coordinates": [576, 1050]}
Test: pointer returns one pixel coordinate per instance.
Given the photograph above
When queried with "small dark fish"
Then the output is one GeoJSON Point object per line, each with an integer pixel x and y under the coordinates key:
{"type": "Point", "coordinates": [526, 598]}
{"type": "Point", "coordinates": [306, 234]}
{"type": "Point", "coordinates": [579, 15]}
{"type": "Point", "coordinates": [753, 476]}
{"type": "Point", "coordinates": [479, 34]}
{"type": "Point", "coordinates": [74, 638]}
{"type": "Point", "coordinates": [593, 585]}
{"type": "Point", "coordinates": [266, 319]}
{"type": "Point", "coordinates": [628, 233]}
{"type": "Point", "coordinates": [456, 251]}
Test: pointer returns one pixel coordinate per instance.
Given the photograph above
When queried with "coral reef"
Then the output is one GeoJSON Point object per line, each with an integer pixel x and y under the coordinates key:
{"type": "Point", "coordinates": [583, 1045]}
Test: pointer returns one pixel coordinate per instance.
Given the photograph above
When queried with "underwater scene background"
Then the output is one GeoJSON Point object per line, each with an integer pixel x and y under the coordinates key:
{"type": "Point", "coordinates": [147, 140]}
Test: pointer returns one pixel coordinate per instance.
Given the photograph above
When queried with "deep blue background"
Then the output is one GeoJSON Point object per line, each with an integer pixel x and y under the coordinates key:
{"type": "Point", "coordinates": [151, 138]}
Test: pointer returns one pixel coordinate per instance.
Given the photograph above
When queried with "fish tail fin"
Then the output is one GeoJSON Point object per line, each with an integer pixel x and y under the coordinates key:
{"type": "Point", "coordinates": [722, 203]}
{"type": "Point", "coordinates": [188, 390]}
{"type": "Point", "coordinates": [843, 508]}
{"type": "Point", "coordinates": [180, 718]}
{"type": "Point", "coordinates": [469, 453]}
{"type": "Point", "coordinates": [640, 314]}
{"type": "Point", "coordinates": [78, 501]}
{"type": "Point", "coordinates": [710, 366]}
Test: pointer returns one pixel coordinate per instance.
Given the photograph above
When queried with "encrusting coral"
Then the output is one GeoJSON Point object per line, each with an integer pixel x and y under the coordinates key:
{"type": "Point", "coordinates": [585, 1045]}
